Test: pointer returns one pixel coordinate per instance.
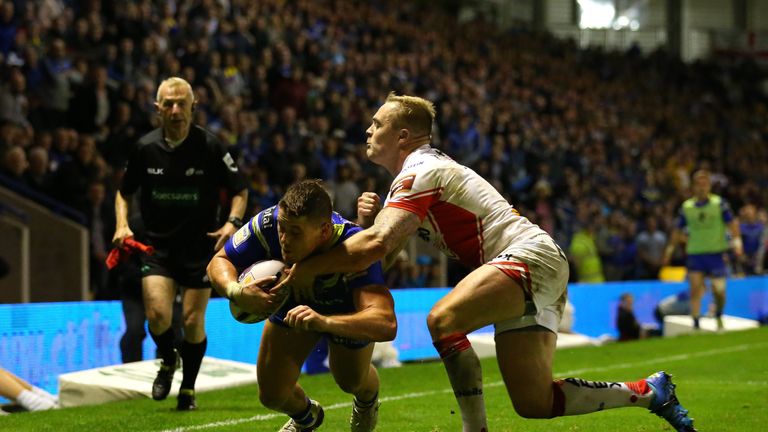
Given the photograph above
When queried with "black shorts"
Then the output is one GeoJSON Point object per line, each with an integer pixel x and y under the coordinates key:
{"type": "Point", "coordinates": [185, 265]}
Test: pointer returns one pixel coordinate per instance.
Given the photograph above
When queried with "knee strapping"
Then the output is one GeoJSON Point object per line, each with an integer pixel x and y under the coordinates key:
{"type": "Point", "coordinates": [452, 344]}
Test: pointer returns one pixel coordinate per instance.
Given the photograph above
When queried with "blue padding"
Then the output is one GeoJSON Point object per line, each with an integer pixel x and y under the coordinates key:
{"type": "Point", "coordinates": [40, 341]}
{"type": "Point", "coordinates": [596, 304]}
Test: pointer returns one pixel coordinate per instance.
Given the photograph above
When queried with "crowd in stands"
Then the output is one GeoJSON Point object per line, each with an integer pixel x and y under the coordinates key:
{"type": "Point", "coordinates": [596, 147]}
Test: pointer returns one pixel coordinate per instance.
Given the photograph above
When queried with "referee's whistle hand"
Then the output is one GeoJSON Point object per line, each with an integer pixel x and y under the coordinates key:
{"type": "Point", "coordinates": [222, 235]}
{"type": "Point", "coordinates": [121, 233]}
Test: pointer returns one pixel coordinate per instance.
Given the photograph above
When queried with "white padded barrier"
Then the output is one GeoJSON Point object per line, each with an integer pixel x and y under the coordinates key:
{"type": "Point", "coordinates": [683, 324]}
{"type": "Point", "coordinates": [134, 381]}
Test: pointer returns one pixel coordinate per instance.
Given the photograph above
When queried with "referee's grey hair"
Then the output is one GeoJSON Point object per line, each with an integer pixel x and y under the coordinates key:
{"type": "Point", "coordinates": [173, 82]}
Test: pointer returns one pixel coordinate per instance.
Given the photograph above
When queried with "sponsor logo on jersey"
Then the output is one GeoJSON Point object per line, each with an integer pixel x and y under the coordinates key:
{"type": "Point", "coordinates": [229, 162]}
{"type": "Point", "coordinates": [405, 184]}
{"type": "Point", "coordinates": [413, 165]}
{"type": "Point", "coordinates": [155, 171]}
{"type": "Point", "coordinates": [241, 235]}
{"type": "Point", "coordinates": [266, 218]}
{"type": "Point", "coordinates": [192, 171]}
{"type": "Point", "coordinates": [167, 196]}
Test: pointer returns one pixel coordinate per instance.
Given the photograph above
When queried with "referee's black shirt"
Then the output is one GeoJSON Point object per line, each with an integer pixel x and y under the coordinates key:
{"type": "Point", "coordinates": [180, 187]}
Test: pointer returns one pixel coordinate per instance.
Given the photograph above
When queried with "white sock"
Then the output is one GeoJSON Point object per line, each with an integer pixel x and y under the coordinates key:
{"type": "Point", "coordinates": [40, 392]}
{"type": "Point", "coordinates": [580, 396]}
{"type": "Point", "coordinates": [34, 402]}
{"type": "Point", "coordinates": [466, 378]}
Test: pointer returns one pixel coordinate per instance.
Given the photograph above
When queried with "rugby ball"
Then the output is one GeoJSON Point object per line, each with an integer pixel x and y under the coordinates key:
{"type": "Point", "coordinates": [254, 272]}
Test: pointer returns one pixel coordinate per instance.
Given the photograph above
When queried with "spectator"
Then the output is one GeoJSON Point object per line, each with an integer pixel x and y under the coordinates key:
{"type": "Point", "coordinates": [38, 176]}
{"type": "Point", "coordinates": [276, 162]}
{"type": "Point", "coordinates": [345, 192]}
{"type": "Point", "coordinates": [101, 223]}
{"type": "Point", "coordinates": [91, 104]}
{"type": "Point", "coordinates": [15, 163]}
{"type": "Point", "coordinates": [8, 27]}
{"type": "Point", "coordinates": [261, 194]}
{"type": "Point", "coordinates": [74, 176]}
{"type": "Point", "coordinates": [56, 89]}
{"type": "Point", "coordinates": [329, 158]}
{"type": "Point", "coordinates": [650, 249]}
{"type": "Point", "coordinates": [626, 322]}
{"type": "Point", "coordinates": [13, 99]}
{"type": "Point", "coordinates": [122, 134]}
{"type": "Point", "coordinates": [755, 237]}
{"type": "Point", "coordinates": [584, 254]}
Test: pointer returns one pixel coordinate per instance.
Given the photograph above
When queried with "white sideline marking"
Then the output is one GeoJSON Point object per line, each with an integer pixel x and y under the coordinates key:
{"type": "Point", "coordinates": [679, 357]}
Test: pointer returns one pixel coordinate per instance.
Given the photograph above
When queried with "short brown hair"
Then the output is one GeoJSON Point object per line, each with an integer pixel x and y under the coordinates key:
{"type": "Point", "coordinates": [307, 198]}
{"type": "Point", "coordinates": [415, 113]}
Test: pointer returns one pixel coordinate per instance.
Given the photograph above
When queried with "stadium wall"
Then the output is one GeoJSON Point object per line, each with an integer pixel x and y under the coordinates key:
{"type": "Point", "coordinates": [40, 341]}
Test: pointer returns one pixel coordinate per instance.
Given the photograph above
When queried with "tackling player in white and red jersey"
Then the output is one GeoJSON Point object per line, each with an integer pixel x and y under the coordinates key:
{"type": "Point", "coordinates": [518, 282]}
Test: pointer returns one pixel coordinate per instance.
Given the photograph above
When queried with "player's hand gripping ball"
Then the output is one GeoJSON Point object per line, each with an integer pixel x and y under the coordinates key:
{"type": "Point", "coordinates": [255, 272]}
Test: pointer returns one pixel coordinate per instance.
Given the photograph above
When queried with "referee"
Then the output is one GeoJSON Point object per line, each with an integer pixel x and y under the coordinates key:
{"type": "Point", "coordinates": [181, 170]}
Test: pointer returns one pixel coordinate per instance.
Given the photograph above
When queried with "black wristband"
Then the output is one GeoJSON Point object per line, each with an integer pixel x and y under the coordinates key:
{"type": "Point", "coordinates": [236, 221]}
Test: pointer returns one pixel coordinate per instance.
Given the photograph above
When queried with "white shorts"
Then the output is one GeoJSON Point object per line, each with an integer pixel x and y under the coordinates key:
{"type": "Point", "coordinates": [541, 268]}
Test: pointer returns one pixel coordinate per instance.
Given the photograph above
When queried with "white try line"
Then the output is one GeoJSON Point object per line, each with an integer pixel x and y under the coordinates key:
{"type": "Point", "coordinates": [674, 358]}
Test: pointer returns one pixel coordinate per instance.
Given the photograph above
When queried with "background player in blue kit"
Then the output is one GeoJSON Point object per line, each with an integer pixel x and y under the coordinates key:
{"type": "Point", "coordinates": [351, 310]}
{"type": "Point", "coordinates": [705, 218]}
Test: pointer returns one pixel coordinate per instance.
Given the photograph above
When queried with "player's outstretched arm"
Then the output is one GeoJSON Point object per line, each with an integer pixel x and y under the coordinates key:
{"type": "Point", "coordinates": [389, 231]}
{"type": "Point", "coordinates": [374, 320]}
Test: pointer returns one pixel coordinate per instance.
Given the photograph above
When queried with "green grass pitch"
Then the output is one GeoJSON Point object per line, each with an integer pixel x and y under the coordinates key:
{"type": "Point", "coordinates": [721, 378]}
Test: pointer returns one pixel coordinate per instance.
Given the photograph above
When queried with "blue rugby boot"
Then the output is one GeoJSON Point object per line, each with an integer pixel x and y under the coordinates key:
{"type": "Point", "coordinates": [665, 404]}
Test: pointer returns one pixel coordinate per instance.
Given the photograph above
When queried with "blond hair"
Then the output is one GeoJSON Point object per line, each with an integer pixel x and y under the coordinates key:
{"type": "Point", "coordinates": [414, 113]}
{"type": "Point", "coordinates": [174, 82]}
{"type": "Point", "coordinates": [702, 173]}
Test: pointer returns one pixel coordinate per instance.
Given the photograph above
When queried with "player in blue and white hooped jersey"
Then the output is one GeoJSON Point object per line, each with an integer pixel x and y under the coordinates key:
{"type": "Point", "coordinates": [350, 310]}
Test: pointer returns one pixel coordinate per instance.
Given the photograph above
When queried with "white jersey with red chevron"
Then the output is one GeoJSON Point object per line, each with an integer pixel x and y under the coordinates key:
{"type": "Point", "coordinates": [462, 214]}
